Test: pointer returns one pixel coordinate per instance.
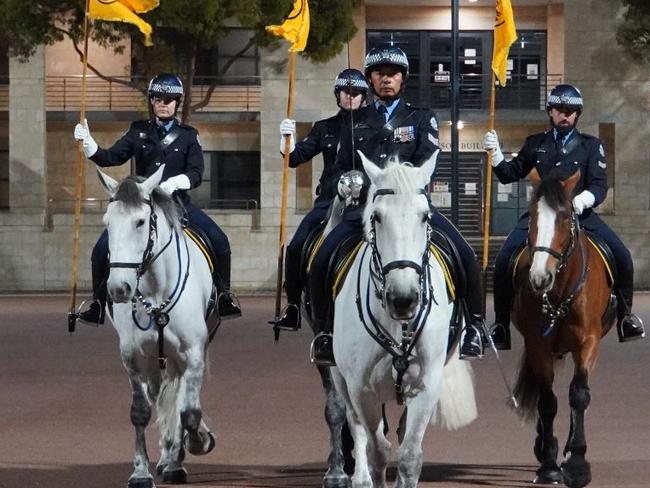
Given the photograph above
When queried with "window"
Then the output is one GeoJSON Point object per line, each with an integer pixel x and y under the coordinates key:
{"type": "Point", "coordinates": [4, 178]}
{"type": "Point", "coordinates": [231, 180]}
{"type": "Point", "coordinates": [429, 54]}
{"type": "Point", "coordinates": [244, 70]}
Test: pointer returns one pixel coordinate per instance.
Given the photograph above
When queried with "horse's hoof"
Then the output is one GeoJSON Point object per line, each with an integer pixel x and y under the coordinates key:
{"type": "Point", "coordinates": [198, 447]}
{"type": "Point", "coordinates": [175, 477]}
{"type": "Point", "coordinates": [576, 472]}
{"type": "Point", "coordinates": [550, 475]}
{"type": "Point", "coordinates": [335, 481]}
{"type": "Point", "coordinates": [141, 483]}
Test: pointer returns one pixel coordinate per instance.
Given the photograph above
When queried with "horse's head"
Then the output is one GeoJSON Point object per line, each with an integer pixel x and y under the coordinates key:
{"type": "Point", "coordinates": [553, 229]}
{"type": "Point", "coordinates": [132, 225]}
{"type": "Point", "coordinates": [396, 224]}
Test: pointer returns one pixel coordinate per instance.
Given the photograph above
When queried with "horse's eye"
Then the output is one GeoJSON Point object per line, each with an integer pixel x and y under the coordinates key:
{"type": "Point", "coordinates": [376, 218]}
{"type": "Point", "coordinates": [425, 217]}
{"type": "Point", "coordinates": [139, 223]}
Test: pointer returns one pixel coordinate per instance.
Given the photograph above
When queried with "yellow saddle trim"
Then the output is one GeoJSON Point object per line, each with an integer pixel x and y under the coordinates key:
{"type": "Point", "coordinates": [201, 246]}
{"type": "Point", "coordinates": [343, 270]}
{"type": "Point", "coordinates": [610, 273]}
{"type": "Point", "coordinates": [516, 265]}
{"type": "Point", "coordinates": [451, 288]}
{"type": "Point", "coordinates": [317, 245]}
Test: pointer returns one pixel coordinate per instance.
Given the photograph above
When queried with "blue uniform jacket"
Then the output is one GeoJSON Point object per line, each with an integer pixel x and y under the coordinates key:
{"type": "Point", "coordinates": [183, 156]}
{"type": "Point", "coordinates": [540, 151]}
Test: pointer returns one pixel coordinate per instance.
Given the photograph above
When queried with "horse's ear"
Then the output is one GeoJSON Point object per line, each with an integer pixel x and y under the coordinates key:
{"type": "Point", "coordinates": [372, 170]}
{"type": "Point", "coordinates": [570, 183]}
{"type": "Point", "coordinates": [534, 177]}
{"type": "Point", "coordinates": [428, 167]}
{"type": "Point", "coordinates": [153, 181]}
{"type": "Point", "coordinates": [107, 182]}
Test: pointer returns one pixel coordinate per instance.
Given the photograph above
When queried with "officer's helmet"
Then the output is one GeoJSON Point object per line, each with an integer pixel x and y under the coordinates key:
{"type": "Point", "coordinates": [391, 55]}
{"type": "Point", "coordinates": [565, 96]}
{"type": "Point", "coordinates": [166, 85]}
{"type": "Point", "coordinates": [352, 79]}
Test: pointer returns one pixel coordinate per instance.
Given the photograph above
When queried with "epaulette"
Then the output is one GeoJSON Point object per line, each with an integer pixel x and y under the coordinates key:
{"type": "Point", "coordinates": [141, 125]}
{"type": "Point", "coordinates": [184, 126]}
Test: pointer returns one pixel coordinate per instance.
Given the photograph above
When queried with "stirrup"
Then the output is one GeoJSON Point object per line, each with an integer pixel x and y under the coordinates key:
{"type": "Point", "coordinates": [281, 323]}
{"type": "Point", "coordinates": [84, 320]}
{"type": "Point", "coordinates": [321, 361]}
{"type": "Point", "coordinates": [637, 325]}
{"type": "Point", "coordinates": [474, 348]}
{"type": "Point", "coordinates": [235, 311]}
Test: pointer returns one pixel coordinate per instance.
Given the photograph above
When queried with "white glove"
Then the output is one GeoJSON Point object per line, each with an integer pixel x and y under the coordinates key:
{"type": "Point", "coordinates": [491, 145]}
{"type": "Point", "coordinates": [178, 182]}
{"type": "Point", "coordinates": [287, 128]}
{"type": "Point", "coordinates": [81, 133]}
{"type": "Point", "coordinates": [583, 201]}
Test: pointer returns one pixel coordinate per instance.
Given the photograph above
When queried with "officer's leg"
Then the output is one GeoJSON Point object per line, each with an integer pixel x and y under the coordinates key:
{"type": "Point", "coordinates": [321, 297]}
{"type": "Point", "coordinates": [500, 331]}
{"type": "Point", "coordinates": [94, 314]}
{"type": "Point", "coordinates": [228, 305]}
{"type": "Point", "coordinates": [629, 326]}
{"type": "Point", "coordinates": [472, 346]}
{"type": "Point", "coordinates": [290, 319]}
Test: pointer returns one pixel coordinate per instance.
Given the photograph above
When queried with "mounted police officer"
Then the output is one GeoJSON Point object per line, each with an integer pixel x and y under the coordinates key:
{"type": "Point", "coordinates": [388, 127]}
{"type": "Point", "coordinates": [350, 91]}
{"type": "Point", "coordinates": [160, 140]}
{"type": "Point", "coordinates": [562, 146]}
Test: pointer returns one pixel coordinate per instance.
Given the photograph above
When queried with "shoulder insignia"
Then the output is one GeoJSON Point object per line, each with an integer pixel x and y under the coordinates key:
{"type": "Point", "coordinates": [434, 140]}
{"type": "Point", "coordinates": [198, 139]}
{"type": "Point", "coordinates": [602, 164]}
{"type": "Point", "coordinates": [434, 123]}
{"type": "Point", "coordinates": [601, 150]}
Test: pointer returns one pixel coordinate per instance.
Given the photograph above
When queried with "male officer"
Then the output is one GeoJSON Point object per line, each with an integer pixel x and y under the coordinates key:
{"type": "Point", "coordinates": [350, 91]}
{"type": "Point", "coordinates": [562, 146]}
{"type": "Point", "coordinates": [386, 128]}
{"type": "Point", "coordinates": [160, 140]}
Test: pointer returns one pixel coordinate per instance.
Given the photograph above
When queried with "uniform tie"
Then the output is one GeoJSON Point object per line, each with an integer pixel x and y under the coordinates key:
{"type": "Point", "coordinates": [384, 111]}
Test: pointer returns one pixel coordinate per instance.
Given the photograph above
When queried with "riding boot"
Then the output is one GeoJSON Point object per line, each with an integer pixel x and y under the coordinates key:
{"type": "Point", "coordinates": [95, 313]}
{"type": "Point", "coordinates": [629, 326]}
{"type": "Point", "coordinates": [227, 304]}
{"type": "Point", "coordinates": [472, 345]}
{"type": "Point", "coordinates": [290, 318]}
{"type": "Point", "coordinates": [321, 351]}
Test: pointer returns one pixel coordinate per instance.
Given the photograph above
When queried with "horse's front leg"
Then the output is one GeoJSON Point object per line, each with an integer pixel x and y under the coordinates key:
{"type": "Point", "coordinates": [140, 417]}
{"type": "Point", "coordinates": [409, 453]}
{"type": "Point", "coordinates": [576, 471]}
{"type": "Point", "coordinates": [335, 418]}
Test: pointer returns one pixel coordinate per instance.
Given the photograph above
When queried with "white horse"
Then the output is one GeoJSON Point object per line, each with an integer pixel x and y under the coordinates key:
{"type": "Point", "coordinates": [160, 285]}
{"type": "Point", "coordinates": [399, 346]}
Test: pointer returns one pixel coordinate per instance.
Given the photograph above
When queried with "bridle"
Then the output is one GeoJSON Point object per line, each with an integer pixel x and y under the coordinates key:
{"type": "Point", "coordinates": [400, 350]}
{"type": "Point", "coordinates": [157, 314]}
{"type": "Point", "coordinates": [555, 312]}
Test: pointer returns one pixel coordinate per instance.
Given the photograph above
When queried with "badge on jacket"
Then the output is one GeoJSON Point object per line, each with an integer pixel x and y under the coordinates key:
{"type": "Point", "coordinates": [404, 134]}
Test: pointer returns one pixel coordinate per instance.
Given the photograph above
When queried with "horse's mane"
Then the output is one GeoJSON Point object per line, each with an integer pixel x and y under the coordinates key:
{"type": "Point", "coordinates": [398, 177]}
{"type": "Point", "coordinates": [552, 191]}
{"type": "Point", "coordinates": [130, 195]}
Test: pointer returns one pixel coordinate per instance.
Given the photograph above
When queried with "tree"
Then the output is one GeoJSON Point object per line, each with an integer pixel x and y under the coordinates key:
{"type": "Point", "coordinates": [634, 32]}
{"type": "Point", "coordinates": [181, 29]}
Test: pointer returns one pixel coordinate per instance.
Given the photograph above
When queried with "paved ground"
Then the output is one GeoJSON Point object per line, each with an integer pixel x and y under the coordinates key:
{"type": "Point", "coordinates": [64, 410]}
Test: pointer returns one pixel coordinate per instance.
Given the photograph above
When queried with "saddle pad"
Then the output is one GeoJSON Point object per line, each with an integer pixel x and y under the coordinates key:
{"type": "Point", "coordinates": [314, 250]}
{"type": "Point", "coordinates": [608, 267]}
{"type": "Point", "coordinates": [201, 245]}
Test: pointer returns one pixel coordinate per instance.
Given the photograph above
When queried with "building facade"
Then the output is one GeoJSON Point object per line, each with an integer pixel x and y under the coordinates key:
{"type": "Point", "coordinates": [559, 41]}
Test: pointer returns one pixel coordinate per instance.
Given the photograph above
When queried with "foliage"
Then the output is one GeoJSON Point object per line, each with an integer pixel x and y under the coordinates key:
{"type": "Point", "coordinates": [634, 31]}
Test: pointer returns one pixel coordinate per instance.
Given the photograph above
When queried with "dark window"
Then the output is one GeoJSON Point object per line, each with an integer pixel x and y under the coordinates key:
{"type": "Point", "coordinates": [245, 68]}
{"type": "Point", "coordinates": [429, 53]}
{"type": "Point", "coordinates": [4, 66]}
{"type": "Point", "coordinates": [231, 180]}
{"type": "Point", "coordinates": [4, 178]}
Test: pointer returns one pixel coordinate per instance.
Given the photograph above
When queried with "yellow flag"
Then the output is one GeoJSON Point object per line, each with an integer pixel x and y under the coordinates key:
{"type": "Point", "coordinates": [124, 11]}
{"type": "Point", "coordinates": [296, 28]}
{"type": "Point", "coordinates": [505, 34]}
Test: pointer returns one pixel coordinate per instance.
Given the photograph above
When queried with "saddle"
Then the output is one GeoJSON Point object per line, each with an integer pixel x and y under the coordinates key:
{"type": "Point", "coordinates": [196, 234]}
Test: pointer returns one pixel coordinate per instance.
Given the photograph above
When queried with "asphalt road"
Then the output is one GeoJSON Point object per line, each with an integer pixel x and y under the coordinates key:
{"type": "Point", "coordinates": [64, 410]}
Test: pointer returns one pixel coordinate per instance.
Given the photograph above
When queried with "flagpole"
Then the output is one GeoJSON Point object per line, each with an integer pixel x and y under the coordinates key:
{"type": "Point", "coordinates": [488, 190]}
{"type": "Point", "coordinates": [285, 188]}
{"type": "Point", "coordinates": [78, 184]}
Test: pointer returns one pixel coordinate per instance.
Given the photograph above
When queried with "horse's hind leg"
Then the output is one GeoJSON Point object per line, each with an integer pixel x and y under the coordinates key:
{"type": "Point", "coordinates": [576, 471]}
{"type": "Point", "coordinates": [335, 476]}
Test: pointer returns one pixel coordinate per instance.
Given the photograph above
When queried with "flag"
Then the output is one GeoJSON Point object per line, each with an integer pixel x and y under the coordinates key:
{"type": "Point", "coordinates": [124, 11]}
{"type": "Point", "coordinates": [505, 34]}
{"type": "Point", "coordinates": [296, 28]}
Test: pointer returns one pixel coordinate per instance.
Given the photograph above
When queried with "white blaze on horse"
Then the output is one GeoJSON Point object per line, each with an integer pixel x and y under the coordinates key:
{"type": "Point", "coordinates": [161, 285]}
{"type": "Point", "coordinates": [391, 329]}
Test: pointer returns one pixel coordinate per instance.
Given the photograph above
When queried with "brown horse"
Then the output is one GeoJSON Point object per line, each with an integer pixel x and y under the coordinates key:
{"type": "Point", "coordinates": [563, 304]}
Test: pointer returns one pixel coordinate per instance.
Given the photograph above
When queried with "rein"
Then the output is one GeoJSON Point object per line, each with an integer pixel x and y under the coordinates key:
{"type": "Point", "coordinates": [411, 331]}
{"type": "Point", "coordinates": [556, 312]}
{"type": "Point", "coordinates": [157, 314]}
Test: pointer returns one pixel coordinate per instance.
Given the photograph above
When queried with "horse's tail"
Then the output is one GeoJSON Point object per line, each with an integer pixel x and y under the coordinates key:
{"type": "Point", "coordinates": [526, 391]}
{"type": "Point", "coordinates": [166, 406]}
{"type": "Point", "coordinates": [457, 404]}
